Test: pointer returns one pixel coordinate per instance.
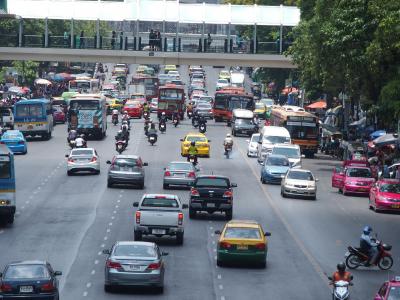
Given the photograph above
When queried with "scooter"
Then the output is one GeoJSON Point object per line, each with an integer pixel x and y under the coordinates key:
{"type": "Point", "coordinates": [189, 114]}
{"type": "Point", "coordinates": [114, 119]}
{"type": "Point", "coordinates": [355, 258]}
{"type": "Point", "coordinates": [228, 150]}
{"type": "Point", "coordinates": [202, 128]}
{"type": "Point", "coordinates": [152, 139]}
{"type": "Point", "coordinates": [72, 144]}
{"type": "Point", "coordinates": [341, 290]}
{"type": "Point", "coordinates": [175, 121]}
{"type": "Point", "coordinates": [146, 115]}
{"type": "Point", "coordinates": [120, 146]}
{"type": "Point", "coordinates": [193, 160]}
{"type": "Point", "coordinates": [162, 127]}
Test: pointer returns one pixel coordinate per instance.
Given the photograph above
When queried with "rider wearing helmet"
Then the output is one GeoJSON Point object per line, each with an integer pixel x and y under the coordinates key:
{"type": "Point", "coordinates": [163, 118]}
{"type": "Point", "coordinates": [80, 141]}
{"type": "Point", "coordinates": [341, 274]}
{"type": "Point", "coordinates": [72, 135]}
{"type": "Point", "coordinates": [368, 244]}
{"type": "Point", "coordinates": [228, 140]}
{"type": "Point", "coordinates": [120, 136]}
{"type": "Point", "coordinates": [192, 151]}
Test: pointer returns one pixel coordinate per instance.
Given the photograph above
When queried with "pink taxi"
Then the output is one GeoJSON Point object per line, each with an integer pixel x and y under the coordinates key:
{"type": "Point", "coordinates": [385, 195]}
{"type": "Point", "coordinates": [353, 179]}
{"type": "Point", "coordinates": [390, 290]}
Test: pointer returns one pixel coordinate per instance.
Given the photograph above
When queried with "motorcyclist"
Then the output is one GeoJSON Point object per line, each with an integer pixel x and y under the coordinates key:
{"type": "Point", "coordinates": [72, 135]}
{"type": "Point", "coordinates": [163, 118]}
{"type": "Point", "coordinates": [152, 130]}
{"type": "Point", "coordinates": [195, 118]}
{"type": "Point", "coordinates": [192, 151]}
{"type": "Point", "coordinates": [125, 117]}
{"type": "Point", "coordinates": [120, 136]}
{"type": "Point", "coordinates": [175, 116]}
{"type": "Point", "coordinates": [189, 108]}
{"type": "Point", "coordinates": [114, 114]}
{"type": "Point", "coordinates": [228, 141]}
{"type": "Point", "coordinates": [146, 107]}
{"type": "Point", "coordinates": [368, 245]}
{"type": "Point", "coordinates": [341, 273]}
{"type": "Point", "coordinates": [202, 120]}
{"type": "Point", "coordinates": [125, 130]}
{"type": "Point", "coordinates": [80, 141]}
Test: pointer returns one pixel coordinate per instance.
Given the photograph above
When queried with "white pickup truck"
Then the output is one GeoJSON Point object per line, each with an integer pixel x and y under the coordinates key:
{"type": "Point", "coordinates": [159, 215]}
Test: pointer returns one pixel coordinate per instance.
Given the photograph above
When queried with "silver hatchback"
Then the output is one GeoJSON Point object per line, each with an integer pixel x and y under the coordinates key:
{"type": "Point", "coordinates": [134, 264]}
{"type": "Point", "coordinates": [83, 159]}
{"type": "Point", "coordinates": [126, 169]}
{"type": "Point", "coordinates": [179, 173]}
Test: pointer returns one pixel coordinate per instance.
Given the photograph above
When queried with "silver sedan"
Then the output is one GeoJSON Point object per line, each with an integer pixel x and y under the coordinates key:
{"type": "Point", "coordinates": [126, 169]}
{"type": "Point", "coordinates": [179, 173]}
{"type": "Point", "coordinates": [83, 159]}
{"type": "Point", "coordinates": [134, 264]}
{"type": "Point", "coordinates": [299, 183]}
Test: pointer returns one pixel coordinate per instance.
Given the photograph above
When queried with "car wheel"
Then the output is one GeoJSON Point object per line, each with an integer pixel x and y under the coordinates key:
{"type": "Point", "coordinates": [263, 264]}
{"type": "Point", "coordinates": [179, 238]}
{"type": "Point", "coordinates": [219, 263]}
{"type": "Point", "coordinates": [283, 194]}
{"type": "Point", "coordinates": [160, 289]}
{"type": "Point", "coordinates": [141, 185]}
{"type": "Point", "coordinates": [109, 184]}
{"type": "Point", "coordinates": [10, 219]}
{"type": "Point", "coordinates": [69, 173]}
{"type": "Point", "coordinates": [344, 192]}
{"type": "Point", "coordinates": [137, 235]}
{"type": "Point", "coordinates": [314, 198]}
{"type": "Point", "coordinates": [262, 180]}
{"type": "Point", "coordinates": [165, 186]}
{"type": "Point", "coordinates": [108, 288]}
{"type": "Point", "coordinates": [192, 213]}
{"type": "Point", "coordinates": [248, 155]}
{"type": "Point", "coordinates": [97, 172]}
{"type": "Point", "coordinates": [340, 191]}
{"type": "Point", "coordinates": [228, 215]}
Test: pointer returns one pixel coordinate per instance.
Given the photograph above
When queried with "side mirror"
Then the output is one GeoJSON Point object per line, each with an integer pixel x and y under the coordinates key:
{"type": "Point", "coordinates": [181, 140]}
{"type": "Point", "coordinates": [164, 253]}
{"type": "Point", "coordinates": [267, 233]}
{"type": "Point", "coordinates": [185, 206]}
{"type": "Point", "coordinates": [57, 273]}
{"type": "Point", "coordinates": [233, 185]}
{"type": "Point", "coordinates": [209, 141]}
{"type": "Point", "coordinates": [106, 251]}
{"type": "Point", "coordinates": [66, 155]}
{"type": "Point", "coordinates": [108, 162]}
{"type": "Point", "coordinates": [330, 278]}
{"type": "Point", "coordinates": [217, 231]}
{"type": "Point", "coordinates": [260, 142]}
{"type": "Point", "coordinates": [145, 164]}
{"type": "Point", "coordinates": [135, 204]}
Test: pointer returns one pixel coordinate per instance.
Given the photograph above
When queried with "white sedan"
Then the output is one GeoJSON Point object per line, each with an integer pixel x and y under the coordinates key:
{"type": "Point", "coordinates": [221, 83]}
{"type": "Point", "coordinates": [253, 143]}
{"type": "Point", "coordinates": [299, 183]}
{"type": "Point", "coordinates": [83, 159]}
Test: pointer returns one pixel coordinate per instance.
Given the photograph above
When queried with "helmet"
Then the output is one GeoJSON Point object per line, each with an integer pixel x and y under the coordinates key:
{"type": "Point", "coordinates": [125, 112]}
{"type": "Point", "coordinates": [341, 267]}
{"type": "Point", "coordinates": [228, 135]}
{"type": "Point", "coordinates": [193, 143]}
{"type": "Point", "coordinates": [163, 113]}
{"type": "Point", "coordinates": [82, 136]}
{"type": "Point", "coordinates": [367, 229]}
{"type": "Point", "coordinates": [120, 131]}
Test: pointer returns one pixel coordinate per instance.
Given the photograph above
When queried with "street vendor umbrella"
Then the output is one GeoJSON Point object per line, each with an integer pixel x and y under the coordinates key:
{"type": "Point", "coordinates": [317, 105]}
{"type": "Point", "coordinates": [41, 81]}
{"type": "Point", "coordinates": [386, 139]}
{"type": "Point", "coordinates": [15, 90]}
{"type": "Point", "coordinates": [62, 77]}
{"type": "Point", "coordinates": [377, 134]}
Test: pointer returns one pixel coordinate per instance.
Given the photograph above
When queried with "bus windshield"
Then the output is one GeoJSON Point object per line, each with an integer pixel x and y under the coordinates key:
{"type": "Point", "coordinates": [240, 102]}
{"type": "Point", "coordinates": [171, 94]}
{"type": "Point", "coordinates": [84, 104]}
{"type": "Point", "coordinates": [85, 85]}
{"type": "Point", "coordinates": [303, 132]}
{"type": "Point", "coordinates": [5, 168]}
{"type": "Point", "coordinates": [29, 110]}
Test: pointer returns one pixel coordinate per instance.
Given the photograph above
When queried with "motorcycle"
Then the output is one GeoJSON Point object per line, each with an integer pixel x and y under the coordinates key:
{"type": "Point", "coordinates": [162, 127]}
{"type": "Point", "coordinates": [84, 145]}
{"type": "Point", "coordinates": [120, 146]}
{"type": "Point", "coordinates": [152, 139]}
{"type": "Point", "coordinates": [175, 121]}
{"type": "Point", "coordinates": [72, 144]}
{"type": "Point", "coordinates": [189, 114]}
{"type": "Point", "coordinates": [193, 160]}
{"type": "Point", "coordinates": [341, 290]}
{"type": "Point", "coordinates": [146, 115]}
{"type": "Point", "coordinates": [195, 122]}
{"type": "Point", "coordinates": [228, 150]}
{"type": "Point", "coordinates": [146, 128]}
{"type": "Point", "coordinates": [202, 128]}
{"type": "Point", "coordinates": [114, 119]}
{"type": "Point", "coordinates": [355, 258]}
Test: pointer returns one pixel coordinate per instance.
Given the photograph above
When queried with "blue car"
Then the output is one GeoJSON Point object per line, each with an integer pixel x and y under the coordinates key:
{"type": "Point", "coordinates": [15, 141]}
{"type": "Point", "coordinates": [274, 168]}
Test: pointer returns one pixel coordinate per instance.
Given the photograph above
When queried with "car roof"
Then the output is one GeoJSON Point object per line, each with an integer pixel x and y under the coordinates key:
{"type": "Point", "coordinates": [127, 243]}
{"type": "Point", "coordinates": [300, 170]}
{"type": "Point", "coordinates": [277, 156]}
{"type": "Point", "coordinates": [126, 156]}
{"type": "Point", "coordinates": [180, 162]}
{"type": "Point", "coordinates": [28, 262]}
{"type": "Point", "coordinates": [166, 196]}
{"type": "Point", "coordinates": [76, 149]}
{"type": "Point", "coordinates": [212, 176]}
{"type": "Point", "coordinates": [387, 180]}
{"type": "Point", "coordinates": [243, 223]}
{"type": "Point", "coordinates": [13, 131]}
{"type": "Point", "coordinates": [287, 146]}
{"type": "Point", "coordinates": [196, 134]}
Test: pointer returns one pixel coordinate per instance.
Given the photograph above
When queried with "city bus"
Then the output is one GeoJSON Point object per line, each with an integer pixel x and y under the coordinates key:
{"type": "Point", "coordinates": [302, 126]}
{"type": "Point", "coordinates": [34, 117]}
{"type": "Point", "coordinates": [229, 98]}
{"type": "Point", "coordinates": [150, 84]}
{"type": "Point", "coordinates": [85, 85]}
{"type": "Point", "coordinates": [7, 185]}
{"type": "Point", "coordinates": [171, 98]}
{"type": "Point", "coordinates": [88, 115]}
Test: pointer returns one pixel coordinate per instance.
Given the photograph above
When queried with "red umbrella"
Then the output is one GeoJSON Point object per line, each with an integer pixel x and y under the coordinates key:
{"type": "Point", "coordinates": [317, 105]}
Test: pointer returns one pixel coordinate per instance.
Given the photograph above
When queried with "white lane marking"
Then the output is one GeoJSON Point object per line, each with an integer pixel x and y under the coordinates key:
{"type": "Point", "coordinates": [118, 201]}
{"type": "Point", "coordinates": [35, 192]}
{"type": "Point", "coordinates": [108, 230]}
{"type": "Point", "coordinates": [215, 257]}
{"type": "Point", "coordinates": [85, 294]}
{"type": "Point", "coordinates": [212, 234]}
{"type": "Point", "coordinates": [219, 276]}
{"type": "Point", "coordinates": [22, 207]}
{"type": "Point", "coordinates": [30, 197]}
{"type": "Point", "coordinates": [27, 202]}
{"type": "Point", "coordinates": [1, 231]}
{"type": "Point", "coordinates": [39, 187]}
{"type": "Point", "coordinates": [120, 196]}
{"type": "Point", "coordinates": [112, 217]}
{"type": "Point", "coordinates": [215, 250]}
{"type": "Point", "coordinates": [213, 242]}
{"type": "Point", "coordinates": [110, 224]}
{"type": "Point", "coordinates": [17, 213]}
{"type": "Point", "coordinates": [88, 285]}
{"type": "Point", "coordinates": [122, 191]}
{"type": "Point", "coordinates": [211, 228]}
{"type": "Point", "coordinates": [221, 287]}
{"type": "Point", "coordinates": [105, 238]}
{"type": "Point", "coordinates": [99, 253]}
{"type": "Point", "coordinates": [93, 272]}
{"type": "Point", "coordinates": [102, 245]}
{"type": "Point", "coordinates": [116, 206]}
{"type": "Point", "coordinates": [222, 297]}
{"type": "Point", "coordinates": [96, 262]}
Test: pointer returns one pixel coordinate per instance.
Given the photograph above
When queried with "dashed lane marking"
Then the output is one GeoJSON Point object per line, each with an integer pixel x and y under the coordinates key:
{"type": "Point", "coordinates": [93, 272]}
{"type": "Point", "coordinates": [88, 285]}
{"type": "Point", "coordinates": [99, 253]}
{"type": "Point", "coordinates": [105, 238]}
{"type": "Point", "coordinates": [85, 294]}
{"type": "Point", "coordinates": [96, 262]}
{"type": "Point", "coordinates": [221, 287]}
{"type": "Point", "coordinates": [219, 276]}
{"type": "Point", "coordinates": [108, 230]}
{"type": "Point", "coordinates": [103, 245]}
{"type": "Point", "coordinates": [1, 231]}
{"type": "Point", "coordinates": [110, 224]}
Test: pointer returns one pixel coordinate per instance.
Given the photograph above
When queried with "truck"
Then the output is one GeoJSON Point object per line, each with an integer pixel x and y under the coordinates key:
{"type": "Point", "coordinates": [159, 215]}
{"type": "Point", "coordinates": [136, 89]}
{"type": "Point", "coordinates": [237, 79]}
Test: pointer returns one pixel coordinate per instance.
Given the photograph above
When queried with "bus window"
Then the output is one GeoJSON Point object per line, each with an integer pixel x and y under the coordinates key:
{"type": "Point", "coordinates": [22, 110]}
{"type": "Point", "coordinates": [220, 102]}
{"type": "Point", "coordinates": [35, 110]}
{"type": "Point", "coordinates": [84, 104]}
{"type": "Point", "coordinates": [302, 132]}
{"type": "Point", "coordinates": [5, 169]}
{"type": "Point", "coordinates": [169, 94]}
{"type": "Point", "coordinates": [29, 110]}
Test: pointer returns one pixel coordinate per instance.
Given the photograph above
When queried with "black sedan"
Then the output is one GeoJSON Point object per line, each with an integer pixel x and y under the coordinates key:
{"type": "Point", "coordinates": [29, 280]}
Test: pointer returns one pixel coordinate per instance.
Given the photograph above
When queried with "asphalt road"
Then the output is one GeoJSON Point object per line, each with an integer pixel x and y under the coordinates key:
{"type": "Point", "coordinates": [69, 220]}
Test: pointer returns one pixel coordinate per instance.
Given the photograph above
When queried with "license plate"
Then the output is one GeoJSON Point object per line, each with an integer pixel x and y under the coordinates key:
{"type": "Point", "coordinates": [26, 289]}
{"type": "Point", "coordinates": [179, 175]}
{"type": "Point", "coordinates": [242, 247]}
{"type": "Point", "coordinates": [210, 204]}
{"type": "Point", "coordinates": [134, 267]}
{"type": "Point", "coordinates": [361, 189]}
{"type": "Point", "coordinates": [158, 231]}
{"type": "Point", "coordinates": [395, 205]}
{"type": "Point", "coordinates": [30, 126]}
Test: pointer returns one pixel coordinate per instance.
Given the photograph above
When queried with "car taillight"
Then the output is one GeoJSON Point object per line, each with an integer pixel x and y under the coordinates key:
{"type": "Point", "coordinates": [194, 192]}
{"type": "Point", "coordinates": [47, 287]}
{"type": "Point", "coordinates": [260, 246]}
{"type": "Point", "coordinates": [167, 173]}
{"type": "Point", "coordinates": [225, 245]}
{"type": "Point", "coordinates": [21, 142]}
{"type": "Point", "coordinates": [4, 287]}
{"type": "Point", "coordinates": [192, 174]}
{"type": "Point", "coordinates": [228, 194]}
{"type": "Point", "coordinates": [137, 217]}
{"type": "Point", "coordinates": [1, 142]}
{"type": "Point", "coordinates": [180, 218]}
{"type": "Point", "coordinates": [154, 266]}
{"type": "Point", "coordinates": [113, 264]}
{"type": "Point", "coordinates": [71, 160]}
{"type": "Point", "coordinates": [94, 159]}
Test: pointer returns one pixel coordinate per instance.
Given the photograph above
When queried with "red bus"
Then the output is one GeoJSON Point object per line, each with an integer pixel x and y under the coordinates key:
{"type": "Point", "coordinates": [171, 98]}
{"type": "Point", "coordinates": [150, 85]}
{"type": "Point", "coordinates": [229, 98]}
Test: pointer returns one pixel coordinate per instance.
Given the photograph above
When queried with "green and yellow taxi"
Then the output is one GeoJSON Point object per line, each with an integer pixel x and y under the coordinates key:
{"type": "Point", "coordinates": [115, 103]}
{"type": "Point", "coordinates": [168, 68]}
{"type": "Point", "coordinates": [260, 110]}
{"type": "Point", "coordinates": [224, 75]}
{"type": "Point", "coordinates": [242, 241]}
{"type": "Point", "coordinates": [202, 144]}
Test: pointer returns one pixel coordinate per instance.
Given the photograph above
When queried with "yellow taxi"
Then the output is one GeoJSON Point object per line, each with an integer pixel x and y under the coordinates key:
{"type": "Point", "coordinates": [116, 104]}
{"type": "Point", "coordinates": [141, 69]}
{"type": "Point", "coordinates": [168, 68]}
{"type": "Point", "coordinates": [202, 144]}
{"type": "Point", "coordinates": [224, 75]}
{"type": "Point", "coordinates": [260, 110]}
{"type": "Point", "coordinates": [242, 241]}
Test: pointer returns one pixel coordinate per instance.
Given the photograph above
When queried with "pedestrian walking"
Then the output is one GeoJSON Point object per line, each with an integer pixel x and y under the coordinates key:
{"type": "Point", "coordinates": [82, 40]}
{"type": "Point", "coordinates": [65, 39]}
{"type": "Point", "coordinates": [151, 39]}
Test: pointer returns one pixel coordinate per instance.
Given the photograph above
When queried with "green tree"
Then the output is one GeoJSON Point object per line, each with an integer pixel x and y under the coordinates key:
{"type": "Point", "coordinates": [27, 70]}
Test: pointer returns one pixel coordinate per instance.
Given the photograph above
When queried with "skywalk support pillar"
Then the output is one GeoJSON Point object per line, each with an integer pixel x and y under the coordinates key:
{"type": "Point", "coordinates": [255, 39]}
{"type": "Point", "coordinates": [20, 31]}
{"type": "Point", "coordinates": [46, 32]}
{"type": "Point", "coordinates": [98, 34]}
{"type": "Point", "coordinates": [229, 37]}
{"type": "Point", "coordinates": [72, 34]}
{"type": "Point", "coordinates": [280, 39]}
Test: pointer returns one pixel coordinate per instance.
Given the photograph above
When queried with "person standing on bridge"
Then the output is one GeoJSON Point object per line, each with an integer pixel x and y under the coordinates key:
{"type": "Point", "coordinates": [82, 41]}
{"type": "Point", "coordinates": [113, 37]}
{"type": "Point", "coordinates": [209, 41]}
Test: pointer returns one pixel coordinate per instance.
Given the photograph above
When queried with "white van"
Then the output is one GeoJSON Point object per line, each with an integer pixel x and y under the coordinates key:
{"type": "Point", "coordinates": [271, 135]}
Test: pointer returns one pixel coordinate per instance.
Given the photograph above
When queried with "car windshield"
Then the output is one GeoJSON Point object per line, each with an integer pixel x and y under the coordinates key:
{"type": "Point", "coordinates": [394, 293]}
{"type": "Point", "coordinates": [260, 105]}
{"type": "Point", "coordinates": [390, 188]}
{"type": "Point", "coordinates": [358, 172]}
{"type": "Point", "coordinates": [81, 152]}
{"type": "Point", "coordinates": [29, 110]}
{"type": "Point", "coordinates": [204, 106]}
{"type": "Point", "coordinates": [222, 81]}
{"type": "Point", "coordinates": [126, 162]}
{"type": "Point", "coordinates": [84, 104]}
{"type": "Point", "coordinates": [160, 201]}
{"type": "Point", "coordinates": [212, 181]}
{"type": "Point", "coordinates": [196, 139]}
{"type": "Point", "coordinates": [277, 161]}
{"type": "Point", "coordinates": [26, 272]}
{"type": "Point", "coordinates": [11, 135]}
{"type": "Point", "coordinates": [244, 122]}
{"type": "Point", "coordinates": [135, 250]}
{"type": "Point", "coordinates": [268, 102]}
{"type": "Point", "coordinates": [255, 138]}
{"type": "Point", "coordinates": [242, 233]}
{"type": "Point", "coordinates": [276, 139]}
{"type": "Point", "coordinates": [180, 166]}
{"type": "Point", "coordinates": [299, 175]}
{"type": "Point", "coordinates": [289, 152]}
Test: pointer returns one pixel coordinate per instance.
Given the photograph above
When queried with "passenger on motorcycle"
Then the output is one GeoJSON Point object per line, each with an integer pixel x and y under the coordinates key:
{"type": "Point", "coordinates": [341, 274]}
{"type": "Point", "coordinates": [125, 129]}
{"type": "Point", "coordinates": [72, 135]}
{"type": "Point", "coordinates": [146, 107]}
{"type": "Point", "coordinates": [192, 151]}
{"type": "Point", "coordinates": [195, 118]}
{"type": "Point", "coordinates": [152, 130]}
{"type": "Point", "coordinates": [80, 141]}
{"type": "Point", "coordinates": [163, 118]}
{"type": "Point", "coordinates": [368, 245]}
{"type": "Point", "coordinates": [125, 117]}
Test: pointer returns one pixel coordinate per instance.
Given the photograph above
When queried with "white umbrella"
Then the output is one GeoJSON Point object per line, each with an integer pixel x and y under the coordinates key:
{"type": "Point", "coordinates": [42, 81]}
